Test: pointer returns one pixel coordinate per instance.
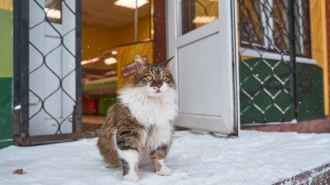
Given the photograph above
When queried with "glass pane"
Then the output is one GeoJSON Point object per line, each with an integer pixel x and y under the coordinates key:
{"type": "Point", "coordinates": [251, 27]}
{"type": "Point", "coordinates": [196, 13]}
{"type": "Point", "coordinates": [280, 26]}
{"type": "Point", "coordinates": [53, 11]}
{"type": "Point", "coordinates": [281, 30]}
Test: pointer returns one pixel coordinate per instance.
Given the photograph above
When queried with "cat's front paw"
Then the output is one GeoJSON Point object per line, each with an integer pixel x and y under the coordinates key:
{"type": "Point", "coordinates": [131, 178]}
{"type": "Point", "coordinates": [164, 171]}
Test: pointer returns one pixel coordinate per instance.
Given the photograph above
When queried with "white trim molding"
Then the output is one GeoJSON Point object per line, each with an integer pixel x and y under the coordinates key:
{"type": "Point", "coordinates": [273, 56]}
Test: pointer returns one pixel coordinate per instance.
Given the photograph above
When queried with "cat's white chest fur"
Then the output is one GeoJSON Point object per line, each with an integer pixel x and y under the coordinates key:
{"type": "Point", "coordinates": [150, 110]}
{"type": "Point", "coordinates": [155, 113]}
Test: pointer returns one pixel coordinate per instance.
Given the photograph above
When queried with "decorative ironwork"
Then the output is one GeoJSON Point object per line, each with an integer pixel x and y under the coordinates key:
{"type": "Point", "coordinates": [40, 53]}
{"type": "Point", "coordinates": [272, 34]}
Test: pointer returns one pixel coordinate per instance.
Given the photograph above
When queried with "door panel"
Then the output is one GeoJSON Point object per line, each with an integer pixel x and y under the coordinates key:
{"type": "Point", "coordinates": [48, 83]}
{"type": "Point", "coordinates": [200, 122]}
{"type": "Point", "coordinates": [205, 65]}
{"type": "Point", "coordinates": [198, 93]}
{"type": "Point", "coordinates": [50, 119]}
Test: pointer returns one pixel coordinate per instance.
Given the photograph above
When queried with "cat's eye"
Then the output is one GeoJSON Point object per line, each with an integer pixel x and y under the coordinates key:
{"type": "Point", "coordinates": [149, 77]}
{"type": "Point", "coordinates": [164, 78]}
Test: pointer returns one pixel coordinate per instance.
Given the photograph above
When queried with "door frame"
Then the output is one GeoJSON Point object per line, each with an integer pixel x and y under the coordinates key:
{"type": "Point", "coordinates": [21, 79]}
{"type": "Point", "coordinates": [171, 27]}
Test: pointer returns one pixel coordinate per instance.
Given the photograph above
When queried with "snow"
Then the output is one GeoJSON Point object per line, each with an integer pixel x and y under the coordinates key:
{"type": "Point", "coordinates": [195, 157]}
{"type": "Point", "coordinates": [18, 107]}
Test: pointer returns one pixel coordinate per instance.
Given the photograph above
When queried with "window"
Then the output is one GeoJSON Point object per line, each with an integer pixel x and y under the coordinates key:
{"type": "Point", "coordinates": [264, 26]}
{"type": "Point", "coordinates": [197, 13]}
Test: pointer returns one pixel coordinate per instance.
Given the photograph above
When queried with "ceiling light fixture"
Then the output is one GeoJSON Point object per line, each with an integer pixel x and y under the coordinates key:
{"type": "Point", "coordinates": [90, 61]}
{"type": "Point", "coordinates": [52, 13]}
{"type": "Point", "coordinates": [114, 52]}
{"type": "Point", "coordinates": [109, 61]}
{"type": "Point", "coordinates": [203, 19]}
{"type": "Point", "coordinates": [131, 3]}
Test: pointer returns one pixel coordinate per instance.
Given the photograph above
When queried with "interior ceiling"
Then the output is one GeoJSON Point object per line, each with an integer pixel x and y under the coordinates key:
{"type": "Point", "coordinates": [105, 12]}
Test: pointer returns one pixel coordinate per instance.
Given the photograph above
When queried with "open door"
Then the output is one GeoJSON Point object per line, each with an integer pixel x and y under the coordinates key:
{"type": "Point", "coordinates": [47, 87]}
{"type": "Point", "coordinates": [202, 37]}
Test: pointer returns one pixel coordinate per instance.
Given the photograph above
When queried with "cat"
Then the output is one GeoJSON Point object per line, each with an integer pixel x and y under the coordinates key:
{"type": "Point", "coordinates": [138, 130]}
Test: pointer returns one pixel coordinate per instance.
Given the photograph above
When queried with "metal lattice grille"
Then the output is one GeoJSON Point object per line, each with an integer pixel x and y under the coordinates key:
{"type": "Point", "coordinates": [264, 25]}
{"type": "Point", "coordinates": [271, 36]}
{"type": "Point", "coordinates": [52, 68]}
{"type": "Point", "coordinates": [47, 71]}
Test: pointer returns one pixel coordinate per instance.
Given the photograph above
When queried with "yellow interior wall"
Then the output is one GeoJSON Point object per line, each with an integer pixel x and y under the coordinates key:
{"type": "Point", "coordinates": [126, 56]}
{"type": "Point", "coordinates": [96, 39]}
{"type": "Point", "coordinates": [125, 33]}
{"type": "Point", "coordinates": [6, 4]}
{"type": "Point", "coordinates": [319, 43]}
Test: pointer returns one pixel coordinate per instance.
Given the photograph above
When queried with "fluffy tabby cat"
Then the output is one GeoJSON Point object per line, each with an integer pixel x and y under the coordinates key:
{"type": "Point", "coordinates": [138, 130]}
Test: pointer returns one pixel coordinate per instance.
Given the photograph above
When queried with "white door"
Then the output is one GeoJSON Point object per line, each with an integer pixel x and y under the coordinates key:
{"type": "Point", "coordinates": [202, 37]}
{"type": "Point", "coordinates": [52, 76]}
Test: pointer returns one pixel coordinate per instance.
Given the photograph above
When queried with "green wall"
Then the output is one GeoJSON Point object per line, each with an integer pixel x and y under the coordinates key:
{"type": "Point", "coordinates": [6, 73]}
{"type": "Point", "coordinates": [262, 80]}
{"type": "Point", "coordinates": [310, 92]}
{"type": "Point", "coordinates": [6, 134]}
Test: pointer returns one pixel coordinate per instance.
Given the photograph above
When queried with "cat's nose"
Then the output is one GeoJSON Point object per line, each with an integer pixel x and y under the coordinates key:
{"type": "Point", "coordinates": [158, 85]}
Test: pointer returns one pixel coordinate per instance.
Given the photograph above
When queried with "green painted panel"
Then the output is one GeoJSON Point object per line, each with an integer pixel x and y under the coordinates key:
{"type": "Point", "coordinates": [6, 43]}
{"type": "Point", "coordinates": [106, 102]}
{"type": "Point", "coordinates": [265, 88]}
{"type": "Point", "coordinates": [310, 98]}
{"type": "Point", "coordinates": [6, 132]}
{"type": "Point", "coordinates": [5, 143]}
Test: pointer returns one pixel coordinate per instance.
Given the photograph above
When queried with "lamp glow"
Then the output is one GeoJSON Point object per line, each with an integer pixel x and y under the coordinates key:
{"type": "Point", "coordinates": [109, 61]}
{"type": "Point", "coordinates": [90, 61]}
{"type": "Point", "coordinates": [131, 3]}
{"type": "Point", "coordinates": [51, 13]}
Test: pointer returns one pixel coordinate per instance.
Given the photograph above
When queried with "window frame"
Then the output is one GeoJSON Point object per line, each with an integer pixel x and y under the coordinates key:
{"type": "Point", "coordinates": [267, 35]}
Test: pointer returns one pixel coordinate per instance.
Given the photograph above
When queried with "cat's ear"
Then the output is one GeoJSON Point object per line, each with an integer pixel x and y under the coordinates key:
{"type": "Point", "coordinates": [139, 62]}
{"type": "Point", "coordinates": [169, 63]}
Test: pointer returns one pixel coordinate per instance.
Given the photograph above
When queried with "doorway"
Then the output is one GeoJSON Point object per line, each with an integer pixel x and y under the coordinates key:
{"type": "Point", "coordinates": [107, 35]}
{"type": "Point", "coordinates": [112, 33]}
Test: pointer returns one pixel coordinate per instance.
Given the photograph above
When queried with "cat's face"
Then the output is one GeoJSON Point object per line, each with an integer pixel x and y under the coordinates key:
{"type": "Point", "coordinates": [155, 78]}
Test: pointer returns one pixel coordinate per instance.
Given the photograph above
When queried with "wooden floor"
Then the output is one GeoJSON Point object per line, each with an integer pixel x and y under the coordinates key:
{"type": "Point", "coordinates": [92, 123]}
